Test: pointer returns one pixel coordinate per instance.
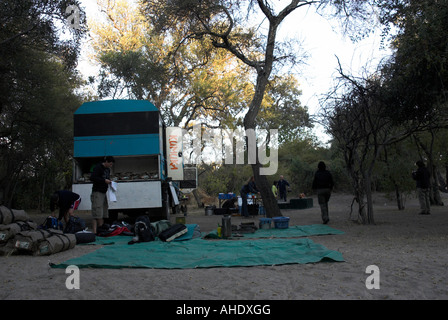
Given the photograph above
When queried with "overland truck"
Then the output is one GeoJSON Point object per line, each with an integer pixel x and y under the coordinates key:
{"type": "Point", "coordinates": [148, 157]}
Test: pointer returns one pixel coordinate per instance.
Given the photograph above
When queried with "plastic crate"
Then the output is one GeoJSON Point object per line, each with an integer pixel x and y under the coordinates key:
{"type": "Point", "coordinates": [281, 222]}
{"type": "Point", "coordinates": [226, 196]}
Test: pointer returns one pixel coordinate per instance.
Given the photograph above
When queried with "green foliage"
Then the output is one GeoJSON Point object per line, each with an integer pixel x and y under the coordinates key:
{"type": "Point", "coordinates": [298, 161]}
{"type": "Point", "coordinates": [167, 55]}
{"type": "Point", "coordinates": [39, 130]}
{"type": "Point", "coordinates": [417, 74]}
{"type": "Point", "coordinates": [37, 100]}
{"type": "Point", "coordinates": [223, 179]}
{"type": "Point", "coordinates": [282, 109]}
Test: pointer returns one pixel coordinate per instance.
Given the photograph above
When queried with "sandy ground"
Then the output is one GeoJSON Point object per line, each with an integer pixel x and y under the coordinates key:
{"type": "Point", "coordinates": [410, 251]}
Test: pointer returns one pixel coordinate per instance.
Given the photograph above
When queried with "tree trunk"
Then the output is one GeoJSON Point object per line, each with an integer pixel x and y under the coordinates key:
{"type": "Point", "coordinates": [197, 198]}
{"type": "Point", "coordinates": [399, 197]}
{"type": "Point", "coordinates": [368, 191]}
{"type": "Point", "coordinates": [361, 206]}
{"type": "Point", "coordinates": [269, 200]}
{"type": "Point", "coordinates": [263, 73]}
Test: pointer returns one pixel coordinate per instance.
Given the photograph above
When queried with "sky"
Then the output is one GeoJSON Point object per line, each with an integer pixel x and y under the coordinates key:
{"type": "Point", "coordinates": [321, 40]}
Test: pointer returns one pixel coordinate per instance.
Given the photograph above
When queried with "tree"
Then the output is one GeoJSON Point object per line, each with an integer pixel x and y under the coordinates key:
{"type": "Point", "coordinates": [37, 97]}
{"type": "Point", "coordinates": [417, 73]}
{"type": "Point", "coordinates": [357, 117]}
{"type": "Point", "coordinates": [429, 153]}
{"type": "Point", "coordinates": [187, 83]}
{"type": "Point", "coordinates": [282, 109]}
{"type": "Point", "coordinates": [393, 172]}
{"type": "Point", "coordinates": [225, 24]}
{"type": "Point", "coordinates": [406, 97]}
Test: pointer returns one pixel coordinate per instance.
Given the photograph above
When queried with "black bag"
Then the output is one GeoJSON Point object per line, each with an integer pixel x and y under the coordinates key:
{"type": "Point", "coordinates": [173, 232]}
{"type": "Point", "coordinates": [143, 231]}
{"type": "Point", "coordinates": [74, 225]}
{"type": "Point", "coordinates": [85, 237]}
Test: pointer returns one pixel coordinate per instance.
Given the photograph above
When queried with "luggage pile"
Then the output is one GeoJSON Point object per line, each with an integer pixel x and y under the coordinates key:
{"type": "Point", "coordinates": [146, 231]}
{"type": "Point", "coordinates": [42, 242]}
{"type": "Point", "coordinates": [18, 235]}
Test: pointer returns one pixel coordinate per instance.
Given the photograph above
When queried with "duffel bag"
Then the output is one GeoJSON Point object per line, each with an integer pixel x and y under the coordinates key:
{"type": "Point", "coordinates": [173, 232]}
{"type": "Point", "coordinates": [8, 231]}
{"type": "Point", "coordinates": [8, 215]}
{"type": "Point", "coordinates": [28, 241]}
{"type": "Point", "coordinates": [7, 249]}
{"type": "Point", "coordinates": [56, 243]}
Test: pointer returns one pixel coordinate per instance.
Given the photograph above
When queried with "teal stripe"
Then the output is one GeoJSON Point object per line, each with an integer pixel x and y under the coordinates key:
{"type": "Point", "coordinates": [123, 145]}
{"type": "Point", "coordinates": [114, 106]}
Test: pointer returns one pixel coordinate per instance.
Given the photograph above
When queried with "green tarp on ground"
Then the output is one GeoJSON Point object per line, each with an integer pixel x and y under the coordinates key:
{"type": "Point", "coordinates": [294, 231]}
{"type": "Point", "coordinates": [200, 253]}
{"type": "Point", "coordinates": [291, 232]}
{"type": "Point", "coordinates": [252, 250]}
{"type": "Point", "coordinates": [125, 239]}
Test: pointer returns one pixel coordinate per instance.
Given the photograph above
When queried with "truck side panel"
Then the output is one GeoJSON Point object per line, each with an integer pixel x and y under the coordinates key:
{"type": "Point", "coordinates": [130, 195]}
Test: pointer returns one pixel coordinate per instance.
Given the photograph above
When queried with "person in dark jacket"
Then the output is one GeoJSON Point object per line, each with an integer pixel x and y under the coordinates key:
{"type": "Point", "coordinates": [66, 201]}
{"type": "Point", "coordinates": [281, 185]}
{"type": "Point", "coordinates": [100, 177]}
{"type": "Point", "coordinates": [422, 178]}
{"type": "Point", "coordinates": [249, 187]}
{"type": "Point", "coordinates": [323, 184]}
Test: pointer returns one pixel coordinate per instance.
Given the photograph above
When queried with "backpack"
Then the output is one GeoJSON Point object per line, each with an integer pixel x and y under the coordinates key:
{"type": "Point", "coordinates": [51, 223]}
{"type": "Point", "coordinates": [143, 231]}
{"type": "Point", "coordinates": [74, 225]}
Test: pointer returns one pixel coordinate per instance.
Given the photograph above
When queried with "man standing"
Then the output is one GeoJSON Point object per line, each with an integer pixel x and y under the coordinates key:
{"type": "Point", "coordinates": [323, 184]}
{"type": "Point", "coordinates": [281, 184]}
{"type": "Point", "coordinates": [100, 177]}
{"type": "Point", "coordinates": [422, 177]}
